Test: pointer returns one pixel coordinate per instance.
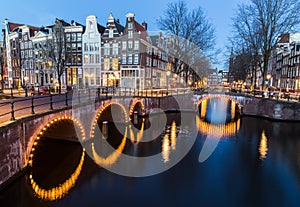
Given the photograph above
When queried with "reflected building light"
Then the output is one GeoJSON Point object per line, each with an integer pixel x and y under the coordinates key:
{"type": "Point", "coordinates": [113, 157]}
{"type": "Point", "coordinates": [217, 130]}
{"type": "Point", "coordinates": [173, 135]}
{"type": "Point", "coordinates": [61, 190]}
{"type": "Point", "coordinates": [166, 149]}
{"type": "Point", "coordinates": [232, 110]}
{"type": "Point", "coordinates": [263, 146]}
{"type": "Point", "coordinates": [203, 109]}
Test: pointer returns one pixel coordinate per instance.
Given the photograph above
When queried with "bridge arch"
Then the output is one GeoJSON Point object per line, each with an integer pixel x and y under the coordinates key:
{"type": "Point", "coordinates": [137, 105]}
{"type": "Point", "coordinates": [47, 126]}
{"type": "Point", "coordinates": [105, 110]}
{"type": "Point", "coordinates": [228, 98]}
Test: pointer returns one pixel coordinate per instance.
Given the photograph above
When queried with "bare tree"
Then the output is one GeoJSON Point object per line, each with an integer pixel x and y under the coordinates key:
{"type": "Point", "coordinates": [57, 50]}
{"type": "Point", "coordinates": [259, 23]}
{"type": "Point", "coordinates": [193, 35]}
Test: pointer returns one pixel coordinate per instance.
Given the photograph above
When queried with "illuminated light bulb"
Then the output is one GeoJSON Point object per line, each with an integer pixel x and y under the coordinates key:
{"type": "Point", "coordinates": [37, 138]}
{"type": "Point", "coordinates": [35, 143]}
{"type": "Point", "coordinates": [41, 133]}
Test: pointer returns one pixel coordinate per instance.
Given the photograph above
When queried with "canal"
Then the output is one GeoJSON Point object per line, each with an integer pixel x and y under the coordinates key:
{"type": "Point", "coordinates": [252, 162]}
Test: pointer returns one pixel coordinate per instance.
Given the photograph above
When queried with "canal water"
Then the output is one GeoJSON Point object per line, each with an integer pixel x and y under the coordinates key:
{"type": "Point", "coordinates": [251, 162]}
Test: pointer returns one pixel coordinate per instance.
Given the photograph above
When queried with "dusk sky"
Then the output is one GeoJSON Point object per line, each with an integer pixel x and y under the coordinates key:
{"type": "Point", "coordinates": [44, 12]}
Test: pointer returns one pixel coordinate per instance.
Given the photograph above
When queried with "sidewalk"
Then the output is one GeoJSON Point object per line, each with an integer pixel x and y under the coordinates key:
{"type": "Point", "coordinates": [15, 93]}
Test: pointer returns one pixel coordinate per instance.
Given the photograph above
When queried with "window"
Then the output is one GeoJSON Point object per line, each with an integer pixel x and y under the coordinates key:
{"type": "Point", "coordinates": [22, 45]}
{"type": "Point", "coordinates": [111, 33]}
{"type": "Point", "coordinates": [123, 59]}
{"type": "Point", "coordinates": [30, 45]}
{"type": "Point", "coordinates": [68, 45]}
{"type": "Point", "coordinates": [91, 57]}
{"type": "Point", "coordinates": [79, 58]}
{"type": "Point", "coordinates": [79, 47]}
{"type": "Point", "coordinates": [124, 45]}
{"type": "Point", "coordinates": [22, 54]}
{"type": "Point", "coordinates": [106, 49]}
{"type": "Point", "coordinates": [129, 25]}
{"type": "Point", "coordinates": [97, 58]}
{"type": "Point", "coordinates": [129, 59]}
{"type": "Point", "coordinates": [115, 63]}
{"type": "Point", "coordinates": [130, 34]}
{"type": "Point", "coordinates": [73, 37]}
{"type": "Point", "coordinates": [96, 47]}
{"type": "Point", "coordinates": [86, 47]}
{"type": "Point", "coordinates": [86, 59]}
{"type": "Point", "coordinates": [115, 49]}
{"type": "Point", "coordinates": [129, 45]}
{"type": "Point", "coordinates": [136, 58]}
{"type": "Point", "coordinates": [106, 63]}
{"type": "Point", "coordinates": [30, 53]}
{"type": "Point", "coordinates": [136, 45]}
{"type": "Point", "coordinates": [74, 47]}
{"type": "Point", "coordinates": [79, 37]}
{"type": "Point", "coordinates": [91, 46]}
{"type": "Point", "coordinates": [68, 37]}
{"type": "Point", "coordinates": [26, 45]}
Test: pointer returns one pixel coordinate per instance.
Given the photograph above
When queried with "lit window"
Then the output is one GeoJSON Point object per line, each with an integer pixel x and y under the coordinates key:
{"type": "Point", "coordinates": [106, 63]}
{"type": "Point", "coordinates": [115, 63]}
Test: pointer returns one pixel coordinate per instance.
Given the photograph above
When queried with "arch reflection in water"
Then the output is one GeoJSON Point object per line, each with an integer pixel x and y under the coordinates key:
{"type": "Point", "coordinates": [113, 157]}
{"type": "Point", "coordinates": [263, 146]}
{"type": "Point", "coordinates": [61, 190]}
{"type": "Point", "coordinates": [169, 142]}
{"type": "Point", "coordinates": [139, 133]}
{"type": "Point", "coordinates": [218, 130]}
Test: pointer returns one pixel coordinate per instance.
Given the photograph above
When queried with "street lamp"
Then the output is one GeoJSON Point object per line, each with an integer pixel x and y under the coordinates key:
{"type": "Point", "coordinates": [168, 74]}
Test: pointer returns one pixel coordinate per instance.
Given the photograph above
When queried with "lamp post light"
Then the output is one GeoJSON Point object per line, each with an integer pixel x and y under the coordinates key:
{"type": "Point", "coordinates": [168, 74]}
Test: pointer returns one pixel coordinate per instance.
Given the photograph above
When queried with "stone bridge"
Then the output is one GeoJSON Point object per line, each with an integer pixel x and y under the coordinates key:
{"type": "Point", "coordinates": [19, 138]}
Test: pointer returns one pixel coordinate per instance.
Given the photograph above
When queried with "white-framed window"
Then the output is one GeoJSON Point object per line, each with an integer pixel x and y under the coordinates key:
{"type": "Point", "coordinates": [97, 58]}
{"type": "Point", "coordinates": [91, 57]}
{"type": "Point", "coordinates": [130, 59]}
{"type": "Point", "coordinates": [129, 45]}
{"type": "Point", "coordinates": [124, 45]}
{"type": "Point", "coordinates": [22, 54]}
{"type": "Point", "coordinates": [136, 45]}
{"type": "Point", "coordinates": [86, 48]}
{"type": "Point", "coordinates": [26, 45]}
{"type": "Point", "coordinates": [136, 58]}
{"type": "Point", "coordinates": [115, 49]}
{"type": "Point", "coordinates": [111, 33]}
{"type": "Point", "coordinates": [124, 59]}
{"type": "Point", "coordinates": [86, 58]}
{"type": "Point", "coordinates": [130, 34]}
{"type": "Point", "coordinates": [106, 49]}
{"type": "Point", "coordinates": [130, 25]}
{"type": "Point", "coordinates": [96, 46]}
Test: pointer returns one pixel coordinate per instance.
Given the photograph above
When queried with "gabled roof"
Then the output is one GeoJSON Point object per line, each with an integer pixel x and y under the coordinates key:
{"type": "Point", "coordinates": [139, 27]}
{"type": "Point", "coordinates": [12, 26]}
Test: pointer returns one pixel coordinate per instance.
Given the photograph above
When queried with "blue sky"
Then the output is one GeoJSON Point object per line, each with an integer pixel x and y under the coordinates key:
{"type": "Point", "coordinates": [44, 12]}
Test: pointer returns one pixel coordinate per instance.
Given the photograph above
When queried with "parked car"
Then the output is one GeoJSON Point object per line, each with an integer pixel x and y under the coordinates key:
{"type": "Point", "coordinates": [39, 91]}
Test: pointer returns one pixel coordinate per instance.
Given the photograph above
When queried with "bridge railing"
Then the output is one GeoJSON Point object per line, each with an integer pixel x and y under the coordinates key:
{"type": "Point", "coordinates": [15, 108]}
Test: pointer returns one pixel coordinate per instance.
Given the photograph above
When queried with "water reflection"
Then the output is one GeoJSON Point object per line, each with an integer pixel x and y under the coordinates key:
{"type": "Point", "coordinates": [61, 190]}
{"type": "Point", "coordinates": [263, 146]}
{"type": "Point", "coordinates": [113, 157]}
{"type": "Point", "coordinates": [169, 142]}
{"type": "Point", "coordinates": [218, 130]}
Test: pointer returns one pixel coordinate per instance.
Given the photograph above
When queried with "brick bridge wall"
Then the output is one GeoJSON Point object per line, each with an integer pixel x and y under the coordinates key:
{"type": "Point", "coordinates": [18, 137]}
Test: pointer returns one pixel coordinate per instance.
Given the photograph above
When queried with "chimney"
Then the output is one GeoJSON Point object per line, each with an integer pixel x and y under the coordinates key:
{"type": "Point", "coordinates": [145, 25]}
{"type": "Point", "coordinates": [118, 21]}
